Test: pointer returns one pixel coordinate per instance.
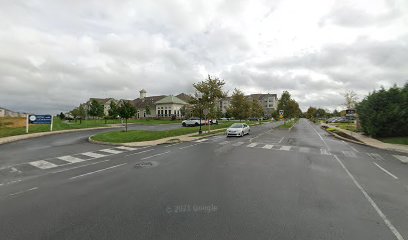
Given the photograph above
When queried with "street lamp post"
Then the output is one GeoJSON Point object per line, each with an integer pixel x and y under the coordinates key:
{"type": "Point", "coordinates": [200, 96]}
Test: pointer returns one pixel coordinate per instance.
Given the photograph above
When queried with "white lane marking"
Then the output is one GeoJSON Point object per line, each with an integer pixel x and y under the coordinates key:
{"type": "Point", "coordinates": [304, 149]}
{"type": "Point", "coordinates": [349, 154]}
{"type": "Point", "coordinates": [267, 146]}
{"type": "Point", "coordinates": [281, 140]}
{"type": "Point", "coordinates": [285, 148]}
{"type": "Point", "coordinates": [375, 156]}
{"type": "Point", "coordinates": [385, 170]}
{"type": "Point", "coordinates": [85, 165]}
{"type": "Point", "coordinates": [171, 145]}
{"type": "Point", "coordinates": [324, 151]}
{"type": "Point", "coordinates": [201, 140]}
{"type": "Point", "coordinates": [126, 148]}
{"type": "Point", "coordinates": [93, 155]}
{"type": "Point", "coordinates": [192, 145]}
{"type": "Point", "coordinates": [110, 151]}
{"type": "Point", "coordinates": [97, 171]}
{"type": "Point", "coordinates": [318, 135]}
{"type": "Point", "coordinates": [43, 164]}
{"type": "Point", "coordinates": [11, 182]}
{"type": "Point", "coordinates": [70, 159]}
{"type": "Point", "coordinates": [139, 152]}
{"type": "Point", "coordinates": [355, 150]}
{"type": "Point", "coordinates": [24, 191]}
{"type": "Point", "coordinates": [403, 159]}
{"type": "Point", "coordinates": [155, 155]}
{"type": "Point", "coordinates": [223, 143]}
{"type": "Point", "coordinates": [252, 145]}
{"type": "Point", "coordinates": [237, 144]}
{"type": "Point", "coordinates": [371, 201]}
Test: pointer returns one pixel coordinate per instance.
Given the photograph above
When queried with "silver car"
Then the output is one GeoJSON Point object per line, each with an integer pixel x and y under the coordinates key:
{"type": "Point", "coordinates": [238, 129]}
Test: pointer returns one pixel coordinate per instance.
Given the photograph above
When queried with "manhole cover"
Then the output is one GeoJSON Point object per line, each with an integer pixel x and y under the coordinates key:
{"type": "Point", "coordinates": [148, 164]}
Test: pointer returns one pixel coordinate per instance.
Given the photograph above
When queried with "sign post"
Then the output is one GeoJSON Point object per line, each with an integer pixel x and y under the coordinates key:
{"type": "Point", "coordinates": [39, 119]}
{"type": "Point", "coordinates": [205, 112]}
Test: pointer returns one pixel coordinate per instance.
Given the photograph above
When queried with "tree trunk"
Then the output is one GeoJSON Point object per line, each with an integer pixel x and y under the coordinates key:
{"type": "Point", "coordinates": [126, 124]}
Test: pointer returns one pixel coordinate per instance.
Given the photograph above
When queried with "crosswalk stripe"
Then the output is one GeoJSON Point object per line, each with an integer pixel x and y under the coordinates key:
{"type": "Point", "coordinates": [110, 151]}
{"type": "Point", "coordinates": [285, 148]}
{"type": "Point", "coordinates": [43, 164]}
{"type": "Point", "coordinates": [71, 159]}
{"type": "Point", "coordinates": [237, 144]}
{"type": "Point", "coordinates": [223, 143]}
{"type": "Point", "coordinates": [324, 151]}
{"type": "Point", "coordinates": [93, 155]}
{"type": "Point", "coordinates": [349, 154]}
{"type": "Point", "coordinates": [304, 149]}
{"type": "Point", "coordinates": [403, 159]}
{"type": "Point", "coordinates": [201, 140]}
{"type": "Point", "coordinates": [375, 156]}
{"type": "Point", "coordinates": [126, 148]}
{"type": "Point", "coordinates": [267, 146]}
{"type": "Point", "coordinates": [252, 145]}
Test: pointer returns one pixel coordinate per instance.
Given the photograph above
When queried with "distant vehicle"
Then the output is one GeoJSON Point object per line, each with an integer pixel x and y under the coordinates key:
{"type": "Point", "coordinates": [253, 119]}
{"type": "Point", "coordinates": [238, 129]}
{"type": "Point", "coordinates": [194, 121]}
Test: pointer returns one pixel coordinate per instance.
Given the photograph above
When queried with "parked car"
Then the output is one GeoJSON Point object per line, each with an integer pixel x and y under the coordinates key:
{"type": "Point", "coordinates": [238, 129]}
{"type": "Point", "coordinates": [253, 119]}
{"type": "Point", "coordinates": [196, 122]}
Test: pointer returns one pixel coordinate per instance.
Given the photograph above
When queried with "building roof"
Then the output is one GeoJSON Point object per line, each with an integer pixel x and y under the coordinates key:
{"type": "Point", "coordinates": [100, 100]}
{"type": "Point", "coordinates": [259, 96]}
{"type": "Point", "coordinates": [184, 97]}
{"type": "Point", "coordinates": [171, 99]}
{"type": "Point", "coordinates": [143, 91]}
{"type": "Point", "coordinates": [147, 101]}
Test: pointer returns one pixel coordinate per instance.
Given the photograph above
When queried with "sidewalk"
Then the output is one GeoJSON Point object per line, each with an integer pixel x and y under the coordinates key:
{"type": "Point", "coordinates": [371, 141]}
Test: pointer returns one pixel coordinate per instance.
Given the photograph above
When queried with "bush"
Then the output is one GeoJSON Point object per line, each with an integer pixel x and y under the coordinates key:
{"type": "Point", "coordinates": [385, 113]}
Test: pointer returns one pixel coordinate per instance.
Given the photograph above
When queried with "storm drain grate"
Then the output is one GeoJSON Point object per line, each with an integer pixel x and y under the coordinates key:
{"type": "Point", "coordinates": [146, 164]}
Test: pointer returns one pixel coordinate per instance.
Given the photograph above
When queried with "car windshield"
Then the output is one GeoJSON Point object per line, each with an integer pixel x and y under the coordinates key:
{"type": "Point", "coordinates": [237, 126]}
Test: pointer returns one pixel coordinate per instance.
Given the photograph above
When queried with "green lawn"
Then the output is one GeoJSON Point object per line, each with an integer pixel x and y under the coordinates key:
{"type": "Point", "coordinates": [140, 136]}
{"type": "Point", "coordinates": [346, 126]}
{"type": "Point", "coordinates": [65, 125]}
{"type": "Point", "coordinates": [395, 140]}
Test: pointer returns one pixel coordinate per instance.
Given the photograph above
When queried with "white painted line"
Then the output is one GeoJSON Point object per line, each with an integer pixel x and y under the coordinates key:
{"type": "Point", "coordinates": [100, 170]}
{"type": "Point", "coordinates": [190, 146]}
{"type": "Point", "coordinates": [324, 151]}
{"type": "Point", "coordinates": [139, 152]}
{"type": "Point", "coordinates": [223, 143]}
{"type": "Point", "coordinates": [349, 154]}
{"type": "Point", "coordinates": [71, 159]}
{"type": "Point", "coordinates": [110, 151]}
{"type": "Point", "coordinates": [155, 155]}
{"type": "Point", "coordinates": [371, 201]}
{"type": "Point", "coordinates": [11, 182]}
{"type": "Point", "coordinates": [252, 145]}
{"type": "Point", "coordinates": [267, 146]}
{"type": "Point", "coordinates": [385, 170]}
{"type": "Point", "coordinates": [403, 159]}
{"type": "Point", "coordinates": [201, 140]}
{"type": "Point", "coordinates": [285, 148]}
{"type": "Point", "coordinates": [15, 170]}
{"type": "Point", "coordinates": [304, 149]}
{"type": "Point", "coordinates": [318, 135]}
{"type": "Point", "coordinates": [85, 165]}
{"type": "Point", "coordinates": [171, 145]}
{"type": "Point", "coordinates": [355, 150]}
{"type": "Point", "coordinates": [43, 164]}
{"type": "Point", "coordinates": [281, 140]}
{"type": "Point", "coordinates": [237, 144]}
{"type": "Point", "coordinates": [376, 156]}
{"type": "Point", "coordinates": [93, 155]}
{"type": "Point", "coordinates": [127, 148]}
{"type": "Point", "coordinates": [24, 191]}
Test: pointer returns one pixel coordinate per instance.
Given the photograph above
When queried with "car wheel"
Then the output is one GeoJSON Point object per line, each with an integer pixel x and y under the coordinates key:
{"type": "Point", "coordinates": [196, 124]}
{"type": "Point", "coordinates": [184, 124]}
{"type": "Point", "coordinates": [242, 133]}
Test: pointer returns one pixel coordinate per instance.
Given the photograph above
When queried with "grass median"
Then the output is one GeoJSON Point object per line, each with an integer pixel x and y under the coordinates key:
{"type": "Point", "coordinates": [141, 136]}
{"type": "Point", "coordinates": [289, 124]}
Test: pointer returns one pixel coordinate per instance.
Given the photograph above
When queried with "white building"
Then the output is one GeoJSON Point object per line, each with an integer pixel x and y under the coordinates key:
{"type": "Point", "coordinates": [169, 106]}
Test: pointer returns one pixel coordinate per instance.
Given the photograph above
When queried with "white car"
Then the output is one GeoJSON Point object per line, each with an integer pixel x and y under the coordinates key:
{"type": "Point", "coordinates": [238, 129]}
{"type": "Point", "coordinates": [196, 122]}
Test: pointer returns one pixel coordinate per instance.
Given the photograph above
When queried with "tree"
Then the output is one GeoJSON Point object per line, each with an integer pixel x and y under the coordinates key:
{"type": "Point", "coordinates": [256, 109]}
{"type": "Point", "coordinates": [183, 111]}
{"type": "Point", "coordinates": [95, 109]}
{"type": "Point", "coordinates": [147, 110]}
{"type": "Point", "coordinates": [311, 113]}
{"type": "Point", "coordinates": [211, 90]}
{"type": "Point", "coordinates": [113, 110]}
{"type": "Point", "coordinates": [335, 113]}
{"type": "Point", "coordinates": [126, 110]}
{"type": "Point", "coordinates": [350, 99]}
{"type": "Point", "coordinates": [240, 107]}
{"type": "Point", "coordinates": [289, 106]}
{"type": "Point", "coordinates": [61, 116]}
{"type": "Point", "coordinates": [321, 113]}
{"type": "Point", "coordinates": [81, 113]}
{"type": "Point", "coordinates": [75, 113]}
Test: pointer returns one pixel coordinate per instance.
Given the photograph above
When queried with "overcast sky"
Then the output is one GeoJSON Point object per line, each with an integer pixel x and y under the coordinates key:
{"type": "Point", "coordinates": [56, 54]}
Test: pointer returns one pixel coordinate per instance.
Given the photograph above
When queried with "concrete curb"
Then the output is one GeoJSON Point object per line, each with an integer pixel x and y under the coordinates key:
{"type": "Point", "coordinates": [10, 139]}
{"type": "Point", "coordinates": [343, 138]}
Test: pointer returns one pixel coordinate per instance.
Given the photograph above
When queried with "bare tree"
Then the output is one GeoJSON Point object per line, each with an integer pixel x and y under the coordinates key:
{"type": "Point", "coordinates": [351, 99]}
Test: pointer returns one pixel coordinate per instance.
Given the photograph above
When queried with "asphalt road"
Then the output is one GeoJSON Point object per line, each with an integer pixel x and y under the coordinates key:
{"type": "Point", "coordinates": [271, 184]}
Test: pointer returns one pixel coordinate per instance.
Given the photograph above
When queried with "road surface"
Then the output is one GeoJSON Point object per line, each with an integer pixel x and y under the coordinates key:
{"type": "Point", "coordinates": [271, 184]}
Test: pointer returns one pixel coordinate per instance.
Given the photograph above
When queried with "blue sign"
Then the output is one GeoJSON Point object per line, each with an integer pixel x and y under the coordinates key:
{"type": "Point", "coordinates": [40, 119]}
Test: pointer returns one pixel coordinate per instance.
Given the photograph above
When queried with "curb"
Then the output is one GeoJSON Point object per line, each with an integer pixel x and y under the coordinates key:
{"type": "Point", "coordinates": [16, 138]}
